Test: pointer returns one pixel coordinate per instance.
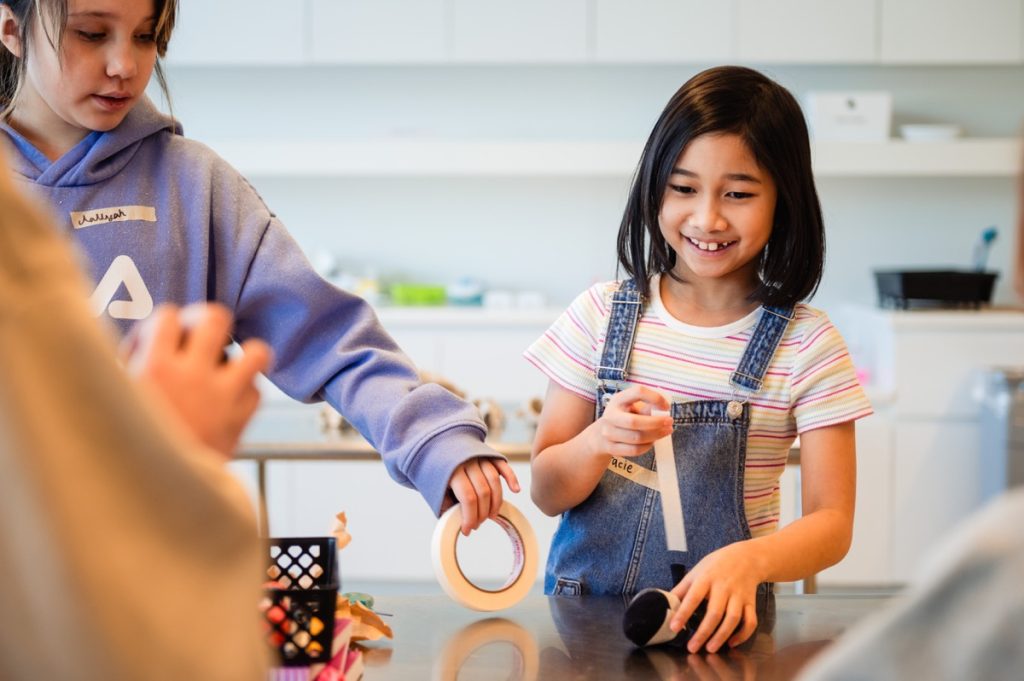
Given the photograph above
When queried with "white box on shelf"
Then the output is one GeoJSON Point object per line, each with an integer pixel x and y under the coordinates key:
{"type": "Point", "coordinates": [849, 116]}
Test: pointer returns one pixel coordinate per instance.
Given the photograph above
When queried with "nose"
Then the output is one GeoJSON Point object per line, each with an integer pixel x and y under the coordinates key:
{"type": "Point", "coordinates": [121, 60]}
{"type": "Point", "coordinates": [707, 215]}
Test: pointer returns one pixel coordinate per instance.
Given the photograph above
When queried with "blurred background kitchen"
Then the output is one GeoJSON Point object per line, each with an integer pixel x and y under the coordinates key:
{"type": "Point", "coordinates": [464, 163]}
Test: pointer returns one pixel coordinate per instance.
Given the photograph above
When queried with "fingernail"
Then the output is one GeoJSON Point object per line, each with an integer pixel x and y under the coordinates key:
{"type": "Point", "coordinates": [675, 625]}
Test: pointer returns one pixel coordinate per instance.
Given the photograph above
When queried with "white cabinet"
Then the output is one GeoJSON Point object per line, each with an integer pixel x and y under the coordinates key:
{"type": "Point", "coordinates": [663, 30]}
{"type": "Point", "coordinates": [867, 562]}
{"type": "Point", "coordinates": [601, 31]}
{"type": "Point", "coordinates": [379, 31]}
{"type": "Point", "coordinates": [807, 31]}
{"type": "Point", "coordinates": [523, 31]}
{"type": "Point", "coordinates": [924, 370]}
{"type": "Point", "coordinates": [935, 484]}
{"type": "Point", "coordinates": [931, 361]}
{"type": "Point", "coordinates": [239, 32]}
{"type": "Point", "coordinates": [951, 31]}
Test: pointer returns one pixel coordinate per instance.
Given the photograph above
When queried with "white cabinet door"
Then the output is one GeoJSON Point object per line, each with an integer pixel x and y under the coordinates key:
{"type": "Point", "coordinates": [936, 484]}
{"type": "Point", "coordinates": [239, 32]}
{"type": "Point", "coordinates": [523, 31]}
{"type": "Point", "coordinates": [867, 563]}
{"type": "Point", "coordinates": [810, 31]}
{"type": "Point", "coordinates": [939, 372]}
{"type": "Point", "coordinates": [663, 30]}
{"type": "Point", "coordinates": [382, 31]}
{"type": "Point", "coordinates": [951, 31]}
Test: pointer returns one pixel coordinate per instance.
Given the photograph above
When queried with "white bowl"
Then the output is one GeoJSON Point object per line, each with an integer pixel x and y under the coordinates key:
{"type": "Point", "coordinates": [921, 132]}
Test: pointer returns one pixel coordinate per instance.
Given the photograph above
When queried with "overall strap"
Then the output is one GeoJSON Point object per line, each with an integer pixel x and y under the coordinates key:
{"type": "Point", "coordinates": [749, 375]}
{"type": "Point", "coordinates": [627, 305]}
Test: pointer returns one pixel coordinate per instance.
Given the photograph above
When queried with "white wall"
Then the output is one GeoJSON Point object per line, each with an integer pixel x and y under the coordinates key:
{"type": "Point", "coordinates": [557, 235]}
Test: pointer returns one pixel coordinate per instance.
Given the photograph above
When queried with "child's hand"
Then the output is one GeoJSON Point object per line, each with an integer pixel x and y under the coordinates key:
{"type": "Point", "coordinates": [179, 355]}
{"type": "Point", "coordinates": [627, 428]}
{"type": "Point", "coordinates": [728, 579]}
{"type": "Point", "coordinates": [476, 485]}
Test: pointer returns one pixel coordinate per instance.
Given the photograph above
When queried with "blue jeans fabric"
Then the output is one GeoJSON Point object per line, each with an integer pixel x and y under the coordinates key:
{"type": "Point", "coordinates": [614, 542]}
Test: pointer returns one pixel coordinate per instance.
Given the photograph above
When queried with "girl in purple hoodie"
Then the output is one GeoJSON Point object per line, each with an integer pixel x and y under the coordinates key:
{"type": "Point", "coordinates": [164, 219]}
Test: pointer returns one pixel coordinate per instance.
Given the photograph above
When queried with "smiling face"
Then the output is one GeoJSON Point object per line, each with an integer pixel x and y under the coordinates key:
{"type": "Point", "coordinates": [717, 211]}
{"type": "Point", "coordinates": [98, 73]}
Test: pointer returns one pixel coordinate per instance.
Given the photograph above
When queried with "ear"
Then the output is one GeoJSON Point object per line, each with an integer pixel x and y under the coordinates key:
{"type": "Point", "coordinates": [10, 35]}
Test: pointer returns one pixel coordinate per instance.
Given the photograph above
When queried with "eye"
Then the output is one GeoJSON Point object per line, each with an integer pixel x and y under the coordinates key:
{"type": "Point", "coordinates": [739, 195]}
{"type": "Point", "coordinates": [682, 189]}
{"type": "Point", "coordinates": [146, 37]}
{"type": "Point", "coordinates": [91, 37]}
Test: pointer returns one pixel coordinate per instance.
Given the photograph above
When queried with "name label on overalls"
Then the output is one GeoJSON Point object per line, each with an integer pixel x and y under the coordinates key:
{"type": "Point", "coordinates": [635, 472]}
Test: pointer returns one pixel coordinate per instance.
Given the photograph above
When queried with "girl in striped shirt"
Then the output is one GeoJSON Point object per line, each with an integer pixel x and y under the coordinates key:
{"type": "Point", "coordinates": [705, 341]}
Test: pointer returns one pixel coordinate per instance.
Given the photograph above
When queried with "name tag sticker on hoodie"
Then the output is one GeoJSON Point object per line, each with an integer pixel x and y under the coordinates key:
{"type": "Point", "coordinates": [101, 216]}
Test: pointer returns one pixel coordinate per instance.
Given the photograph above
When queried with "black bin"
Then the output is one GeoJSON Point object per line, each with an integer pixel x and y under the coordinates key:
{"type": "Point", "coordinates": [903, 289]}
{"type": "Point", "coordinates": [300, 617]}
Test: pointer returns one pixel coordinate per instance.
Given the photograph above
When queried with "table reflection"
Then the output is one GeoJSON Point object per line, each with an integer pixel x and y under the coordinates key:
{"type": "Point", "coordinates": [581, 638]}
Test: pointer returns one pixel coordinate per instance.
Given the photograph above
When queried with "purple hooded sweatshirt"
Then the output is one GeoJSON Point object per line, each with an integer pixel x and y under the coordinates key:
{"type": "Point", "coordinates": [163, 219]}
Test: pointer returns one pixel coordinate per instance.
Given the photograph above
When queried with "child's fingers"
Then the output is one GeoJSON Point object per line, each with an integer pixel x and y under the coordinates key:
{"type": "Point", "coordinates": [690, 596]}
{"type": "Point", "coordinates": [209, 326]}
{"type": "Point", "coordinates": [648, 397]}
{"type": "Point", "coordinates": [730, 622]}
{"type": "Point", "coordinates": [635, 421]}
{"type": "Point", "coordinates": [159, 336]}
{"type": "Point", "coordinates": [506, 471]}
{"type": "Point", "coordinates": [713, 615]}
{"type": "Point", "coordinates": [646, 434]}
{"type": "Point", "coordinates": [473, 494]}
{"type": "Point", "coordinates": [247, 403]}
{"type": "Point", "coordinates": [494, 486]}
{"type": "Point", "coordinates": [256, 357]}
{"type": "Point", "coordinates": [482, 488]}
{"type": "Point", "coordinates": [748, 628]}
{"type": "Point", "coordinates": [462, 488]}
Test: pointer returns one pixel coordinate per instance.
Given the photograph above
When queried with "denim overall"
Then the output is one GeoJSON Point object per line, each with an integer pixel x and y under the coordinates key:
{"type": "Point", "coordinates": [614, 542]}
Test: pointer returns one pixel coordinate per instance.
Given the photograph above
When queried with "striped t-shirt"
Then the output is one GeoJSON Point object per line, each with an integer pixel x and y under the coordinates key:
{"type": "Point", "coordinates": [810, 383]}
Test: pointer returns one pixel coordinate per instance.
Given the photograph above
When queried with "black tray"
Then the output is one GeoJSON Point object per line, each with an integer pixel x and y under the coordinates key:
{"type": "Point", "coordinates": [904, 289]}
{"type": "Point", "coordinates": [300, 617]}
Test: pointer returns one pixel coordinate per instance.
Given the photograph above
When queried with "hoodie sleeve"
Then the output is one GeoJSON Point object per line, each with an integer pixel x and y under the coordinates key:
{"type": "Point", "coordinates": [329, 345]}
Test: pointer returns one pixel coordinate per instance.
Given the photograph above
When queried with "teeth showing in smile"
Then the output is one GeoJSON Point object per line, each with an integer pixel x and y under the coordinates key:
{"type": "Point", "coordinates": [709, 245]}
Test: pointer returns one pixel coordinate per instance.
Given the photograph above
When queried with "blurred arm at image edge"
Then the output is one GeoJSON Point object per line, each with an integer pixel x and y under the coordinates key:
{"type": "Point", "coordinates": [128, 550]}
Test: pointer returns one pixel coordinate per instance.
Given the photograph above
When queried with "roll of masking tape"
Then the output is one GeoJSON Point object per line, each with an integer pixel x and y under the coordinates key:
{"type": "Point", "coordinates": [468, 640]}
{"type": "Point", "coordinates": [449, 574]}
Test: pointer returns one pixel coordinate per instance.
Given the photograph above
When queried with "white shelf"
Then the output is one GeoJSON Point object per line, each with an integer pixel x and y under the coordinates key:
{"type": "Point", "coordinates": [477, 317]}
{"type": "Point", "coordinates": [982, 157]}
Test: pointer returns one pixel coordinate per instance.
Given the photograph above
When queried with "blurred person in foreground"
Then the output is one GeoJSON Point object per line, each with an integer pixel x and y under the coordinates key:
{"type": "Point", "coordinates": [963, 618]}
{"type": "Point", "coordinates": [127, 549]}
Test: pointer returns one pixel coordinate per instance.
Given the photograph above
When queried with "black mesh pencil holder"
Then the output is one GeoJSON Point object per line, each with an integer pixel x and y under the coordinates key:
{"type": "Point", "coordinates": [300, 616]}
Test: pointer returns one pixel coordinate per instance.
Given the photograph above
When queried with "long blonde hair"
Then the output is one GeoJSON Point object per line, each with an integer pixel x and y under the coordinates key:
{"type": "Point", "coordinates": [12, 68]}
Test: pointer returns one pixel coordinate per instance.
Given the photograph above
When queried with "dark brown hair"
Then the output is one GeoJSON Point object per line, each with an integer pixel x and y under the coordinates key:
{"type": "Point", "coordinates": [12, 68]}
{"type": "Point", "coordinates": [744, 102]}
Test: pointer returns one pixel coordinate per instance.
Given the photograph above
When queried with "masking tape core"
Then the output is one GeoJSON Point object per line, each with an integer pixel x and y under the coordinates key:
{"type": "Point", "coordinates": [455, 583]}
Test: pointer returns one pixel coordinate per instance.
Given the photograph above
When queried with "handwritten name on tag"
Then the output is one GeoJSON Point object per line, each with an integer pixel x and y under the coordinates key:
{"type": "Point", "coordinates": [88, 218]}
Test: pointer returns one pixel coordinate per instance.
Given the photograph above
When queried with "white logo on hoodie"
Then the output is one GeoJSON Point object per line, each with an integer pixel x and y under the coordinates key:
{"type": "Point", "coordinates": [122, 271]}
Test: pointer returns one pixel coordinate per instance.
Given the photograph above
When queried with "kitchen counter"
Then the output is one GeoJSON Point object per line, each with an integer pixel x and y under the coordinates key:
{"type": "Point", "coordinates": [581, 638]}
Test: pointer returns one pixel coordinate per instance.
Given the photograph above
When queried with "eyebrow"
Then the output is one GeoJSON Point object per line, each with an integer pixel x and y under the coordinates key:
{"type": "Point", "coordinates": [739, 177]}
{"type": "Point", "coordinates": [102, 15]}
